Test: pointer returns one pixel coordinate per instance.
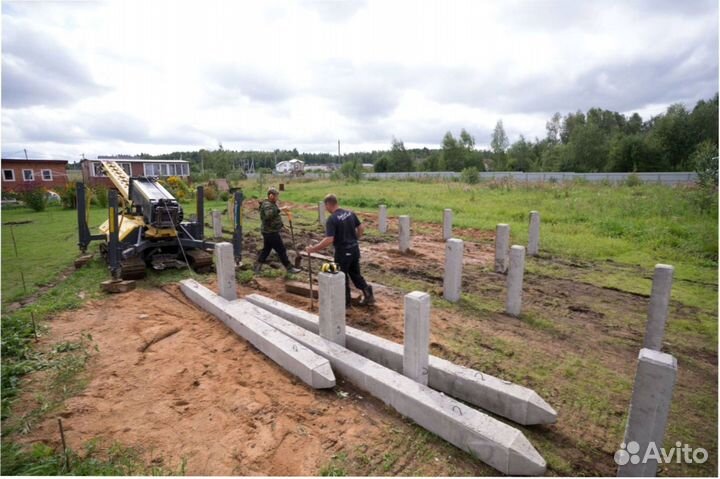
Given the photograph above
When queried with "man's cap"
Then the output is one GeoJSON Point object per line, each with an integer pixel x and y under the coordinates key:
{"type": "Point", "coordinates": [273, 191]}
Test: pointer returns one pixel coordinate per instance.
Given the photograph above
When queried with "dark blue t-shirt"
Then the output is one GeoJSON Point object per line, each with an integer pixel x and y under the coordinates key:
{"type": "Point", "coordinates": [341, 226]}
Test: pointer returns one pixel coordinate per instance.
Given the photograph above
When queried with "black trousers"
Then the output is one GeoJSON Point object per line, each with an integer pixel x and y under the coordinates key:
{"type": "Point", "coordinates": [349, 262]}
{"type": "Point", "coordinates": [273, 241]}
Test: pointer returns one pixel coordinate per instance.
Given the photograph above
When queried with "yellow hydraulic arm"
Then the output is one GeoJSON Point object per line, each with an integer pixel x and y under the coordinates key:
{"type": "Point", "coordinates": [119, 178]}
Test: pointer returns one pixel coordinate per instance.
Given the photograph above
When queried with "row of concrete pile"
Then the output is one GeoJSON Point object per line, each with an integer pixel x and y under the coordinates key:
{"type": "Point", "coordinates": [415, 383]}
{"type": "Point", "coordinates": [656, 371]}
{"type": "Point", "coordinates": [419, 386]}
{"type": "Point", "coordinates": [508, 259]}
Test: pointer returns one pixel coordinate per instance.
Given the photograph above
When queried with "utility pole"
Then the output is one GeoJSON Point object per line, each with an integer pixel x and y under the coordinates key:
{"type": "Point", "coordinates": [26, 157]}
{"type": "Point", "coordinates": [338, 151]}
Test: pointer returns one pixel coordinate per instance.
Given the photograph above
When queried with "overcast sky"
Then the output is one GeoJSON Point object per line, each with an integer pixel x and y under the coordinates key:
{"type": "Point", "coordinates": [98, 78]}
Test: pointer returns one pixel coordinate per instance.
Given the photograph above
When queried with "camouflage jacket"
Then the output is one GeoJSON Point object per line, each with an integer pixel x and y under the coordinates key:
{"type": "Point", "coordinates": [270, 217]}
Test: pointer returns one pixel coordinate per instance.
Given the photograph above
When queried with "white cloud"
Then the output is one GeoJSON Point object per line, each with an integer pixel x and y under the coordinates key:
{"type": "Point", "coordinates": [137, 76]}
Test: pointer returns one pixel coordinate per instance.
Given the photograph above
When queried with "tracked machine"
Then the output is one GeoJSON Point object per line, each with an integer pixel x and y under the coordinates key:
{"type": "Point", "coordinates": [146, 228]}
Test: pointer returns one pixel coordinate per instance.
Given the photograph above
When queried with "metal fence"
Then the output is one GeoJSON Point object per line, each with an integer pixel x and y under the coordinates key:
{"type": "Point", "coordinates": [664, 178]}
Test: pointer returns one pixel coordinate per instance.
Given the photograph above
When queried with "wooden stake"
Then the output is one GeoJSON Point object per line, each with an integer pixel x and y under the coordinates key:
{"type": "Point", "coordinates": [64, 445]}
{"type": "Point", "coordinates": [32, 318]}
{"type": "Point", "coordinates": [310, 275]}
{"type": "Point", "coordinates": [12, 234]}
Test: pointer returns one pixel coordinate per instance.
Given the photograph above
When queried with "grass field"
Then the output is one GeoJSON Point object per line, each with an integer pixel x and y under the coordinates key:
{"type": "Point", "coordinates": [640, 226]}
{"type": "Point", "coordinates": [605, 236]}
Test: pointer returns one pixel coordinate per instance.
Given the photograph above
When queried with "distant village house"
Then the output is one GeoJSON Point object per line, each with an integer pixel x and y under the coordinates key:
{"type": "Point", "coordinates": [94, 175]}
{"type": "Point", "coordinates": [19, 174]}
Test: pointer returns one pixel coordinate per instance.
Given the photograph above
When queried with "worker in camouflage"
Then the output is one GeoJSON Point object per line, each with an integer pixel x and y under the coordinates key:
{"type": "Point", "coordinates": [270, 227]}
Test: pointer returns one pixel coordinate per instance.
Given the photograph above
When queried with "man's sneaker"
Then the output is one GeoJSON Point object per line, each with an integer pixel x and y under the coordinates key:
{"type": "Point", "coordinates": [293, 270]}
{"type": "Point", "coordinates": [368, 297]}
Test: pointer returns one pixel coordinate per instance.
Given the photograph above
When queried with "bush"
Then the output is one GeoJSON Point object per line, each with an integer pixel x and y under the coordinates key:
{"type": "Point", "coordinates": [35, 198]}
{"type": "Point", "coordinates": [179, 189]}
{"type": "Point", "coordinates": [100, 196]}
{"type": "Point", "coordinates": [210, 193]}
{"type": "Point", "coordinates": [633, 180]}
{"type": "Point", "coordinates": [260, 180]}
{"type": "Point", "coordinates": [351, 171]}
{"type": "Point", "coordinates": [470, 175]}
{"type": "Point", "coordinates": [236, 175]}
{"type": "Point", "coordinates": [68, 196]}
{"type": "Point", "coordinates": [10, 195]}
{"type": "Point", "coordinates": [705, 161]}
{"type": "Point", "coordinates": [224, 195]}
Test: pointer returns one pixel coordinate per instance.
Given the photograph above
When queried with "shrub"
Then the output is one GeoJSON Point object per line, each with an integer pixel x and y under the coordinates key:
{"type": "Point", "coordinates": [236, 175]}
{"type": "Point", "coordinates": [705, 161]}
{"type": "Point", "coordinates": [351, 171]}
{"type": "Point", "coordinates": [260, 180]}
{"type": "Point", "coordinates": [100, 196]}
{"type": "Point", "coordinates": [470, 175]}
{"type": "Point", "coordinates": [224, 195]}
{"type": "Point", "coordinates": [633, 180]}
{"type": "Point", "coordinates": [68, 196]}
{"type": "Point", "coordinates": [10, 195]}
{"type": "Point", "coordinates": [203, 177]}
{"type": "Point", "coordinates": [35, 197]}
{"type": "Point", "coordinates": [210, 193]}
{"type": "Point", "coordinates": [178, 188]}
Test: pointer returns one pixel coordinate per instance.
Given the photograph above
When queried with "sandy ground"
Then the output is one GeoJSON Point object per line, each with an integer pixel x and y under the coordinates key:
{"type": "Point", "coordinates": [202, 393]}
{"type": "Point", "coordinates": [174, 381]}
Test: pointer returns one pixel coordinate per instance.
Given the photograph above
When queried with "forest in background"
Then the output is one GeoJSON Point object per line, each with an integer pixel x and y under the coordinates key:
{"type": "Point", "coordinates": [594, 141]}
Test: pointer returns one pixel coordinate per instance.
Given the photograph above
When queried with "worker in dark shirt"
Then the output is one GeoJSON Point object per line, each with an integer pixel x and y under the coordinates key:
{"type": "Point", "coordinates": [270, 227]}
{"type": "Point", "coordinates": [342, 230]}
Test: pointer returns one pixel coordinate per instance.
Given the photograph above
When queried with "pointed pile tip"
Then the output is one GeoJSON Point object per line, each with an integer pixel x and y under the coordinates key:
{"type": "Point", "coordinates": [539, 411]}
{"type": "Point", "coordinates": [523, 458]}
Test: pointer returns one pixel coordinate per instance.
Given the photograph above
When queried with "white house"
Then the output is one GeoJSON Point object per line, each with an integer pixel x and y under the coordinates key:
{"type": "Point", "coordinates": [293, 166]}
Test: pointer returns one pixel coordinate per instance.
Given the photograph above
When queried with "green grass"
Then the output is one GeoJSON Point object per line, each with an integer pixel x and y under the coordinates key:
{"type": "Point", "coordinates": [45, 247]}
{"type": "Point", "coordinates": [602, 235]}
{"type": "Point", "coordinates": [642, 225]}
{"type": "Point", "coordinates": [115, 460]}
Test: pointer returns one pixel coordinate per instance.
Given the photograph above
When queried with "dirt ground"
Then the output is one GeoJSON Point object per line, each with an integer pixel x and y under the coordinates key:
{"type": "Point", "coordinates": [201, 393]}
{"type": "Point", "coordinates": [173, 380]}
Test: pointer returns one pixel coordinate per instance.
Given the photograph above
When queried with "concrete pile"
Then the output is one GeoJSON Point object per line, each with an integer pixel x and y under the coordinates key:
{"type": "Point", "coordinates": [406, 377]}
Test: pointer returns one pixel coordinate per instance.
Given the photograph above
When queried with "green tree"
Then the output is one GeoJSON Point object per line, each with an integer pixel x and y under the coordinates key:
{"type": "Point", "coordinates": [634, 153]}
{"type": "Point", "coordinates": [383, 165]}
{"type": "Point", "coordinates": [431, 163]}
{"type": "Point", "coordinates": [704, 121]}
{"type": "Point", "coordinates": [452, 153]}
{"type": "Point", "coordinates": [499, 141]}
{"type": "Point", "coordinates": [570, 122]}
{"type": "Point", "coordinates": [634, 125]}
{"type": "Point", "coordinates": [705, 163]}
{"type": "Point", "coordinates": [553, 158]}
{"type": "Point", "coordinates": [401, 160]}
{"type": "Point", "coordinates": [673, 133]}
{"type": "Point", "coordinates": [521, 156]}
{"type": "Point", "coordinates": [588, 149]}
{"type": "Point", "coordinates": [553, 128]}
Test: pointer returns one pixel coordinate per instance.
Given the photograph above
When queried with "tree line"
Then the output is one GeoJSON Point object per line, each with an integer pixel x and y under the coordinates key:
{"type": "Point", "coordinates": [594, 141]}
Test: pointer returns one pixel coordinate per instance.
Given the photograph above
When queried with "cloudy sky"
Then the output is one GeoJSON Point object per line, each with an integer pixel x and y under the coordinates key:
{"type": "Point", "coordinates": [95, 78]}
